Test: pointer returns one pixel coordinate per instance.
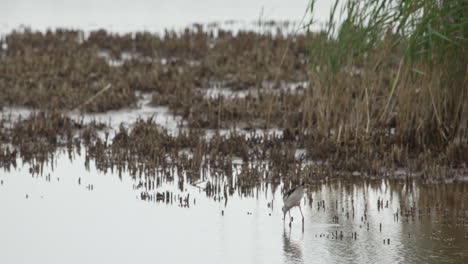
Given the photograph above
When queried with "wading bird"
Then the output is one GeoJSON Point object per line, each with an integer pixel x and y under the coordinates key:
{"type": "Point", "coordinates": [293, 198]}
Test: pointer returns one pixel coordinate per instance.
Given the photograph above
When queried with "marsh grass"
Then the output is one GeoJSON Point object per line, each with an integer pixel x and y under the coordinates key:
{"type": "Point", "coordinates": [371, 104]}
{"type": "Point", "coordinates": [392, 74]}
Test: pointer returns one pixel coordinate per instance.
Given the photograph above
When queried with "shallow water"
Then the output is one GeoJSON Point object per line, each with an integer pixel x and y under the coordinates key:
{"type": "Point", "coordinates": [72, 213]}
{"type": "Point", "coordinates": [161, 115]}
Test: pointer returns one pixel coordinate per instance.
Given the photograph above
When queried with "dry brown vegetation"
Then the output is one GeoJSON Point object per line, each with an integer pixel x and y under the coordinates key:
{"type": "Point", "coordinates": [53, 71]}
{"type": "Point", "coordinates": [346, 124]}
{"type": "Point", "coordinates": [39, 136]}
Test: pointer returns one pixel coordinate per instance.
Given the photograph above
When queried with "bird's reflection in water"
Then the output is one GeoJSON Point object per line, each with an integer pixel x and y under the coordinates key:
{"type": "Point", "coordinates": [292, 250]}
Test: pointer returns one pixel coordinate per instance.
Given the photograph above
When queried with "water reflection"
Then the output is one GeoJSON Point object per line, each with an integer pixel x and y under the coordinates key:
{"type": "Point", "coordinates": [291, 249]}
{"type": "Point", "coordinates": [148, 216]}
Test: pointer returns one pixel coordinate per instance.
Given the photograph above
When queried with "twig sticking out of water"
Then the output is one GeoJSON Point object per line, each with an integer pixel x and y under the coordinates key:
{"type": "Point", "coordinates": [107, 87]}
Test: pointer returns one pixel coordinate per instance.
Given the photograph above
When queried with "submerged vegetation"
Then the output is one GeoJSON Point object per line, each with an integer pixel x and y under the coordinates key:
{"type": "Point", "coordinates": [379, 93]}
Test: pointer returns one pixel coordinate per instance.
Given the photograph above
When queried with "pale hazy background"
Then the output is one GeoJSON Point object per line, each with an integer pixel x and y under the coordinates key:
{"type": "Point", "coordinates": [138, 15]}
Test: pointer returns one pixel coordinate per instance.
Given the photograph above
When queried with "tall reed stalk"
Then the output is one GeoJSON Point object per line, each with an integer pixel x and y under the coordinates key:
{"type": "Point", "coordinates": [391, 69]}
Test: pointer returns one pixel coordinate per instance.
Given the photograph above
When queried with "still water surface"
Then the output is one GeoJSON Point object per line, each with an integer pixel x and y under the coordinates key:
{"type": "Point", "coordinates": [74, 214]}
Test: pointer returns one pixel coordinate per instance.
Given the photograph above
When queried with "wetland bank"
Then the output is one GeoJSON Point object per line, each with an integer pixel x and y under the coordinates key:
{"type": "Point", "coordinates": [177, 146]}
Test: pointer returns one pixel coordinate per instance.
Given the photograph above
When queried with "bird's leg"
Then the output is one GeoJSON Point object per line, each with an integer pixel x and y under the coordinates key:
{"type": "Point", "coordinates": [301, 213]}
{"type": "Point", "coordinates": [290, 218]}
